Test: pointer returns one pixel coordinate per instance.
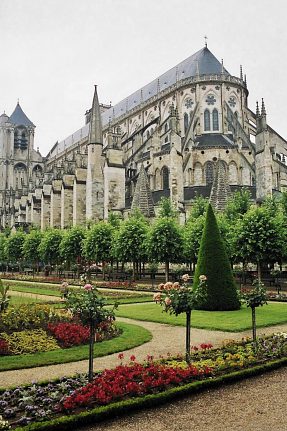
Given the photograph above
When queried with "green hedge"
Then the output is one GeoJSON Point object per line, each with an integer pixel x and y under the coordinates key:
{"type": "Point", "coordinates": [98, 414]}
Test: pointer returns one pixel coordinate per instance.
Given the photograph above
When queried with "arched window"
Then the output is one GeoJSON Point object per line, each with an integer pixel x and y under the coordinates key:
{"type": "Point", "coordinates": [186, 121]}
{"type": "Point", "coordinates": [165, 178]}
{"type": "Point", "coordinates": [206, 120]}
{"type": "Point", "coordinates": [209, 172]}
{"type": "Point", "coordinates": [215, 122]}
{"type": "Point", "coordinates": [147, 134]}
{"type": "Point", "coordinates": [165, 127]}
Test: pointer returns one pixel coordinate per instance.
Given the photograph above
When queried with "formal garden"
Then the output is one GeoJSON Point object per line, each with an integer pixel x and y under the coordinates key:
{"type": "Point", "coordinates": [65, 297]}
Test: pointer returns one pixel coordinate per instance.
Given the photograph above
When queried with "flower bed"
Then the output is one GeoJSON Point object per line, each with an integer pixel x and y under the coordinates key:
{"type": "Point", "coordinates": [137, 384]}
{"type": "Point", "coordinates": [32, 328]}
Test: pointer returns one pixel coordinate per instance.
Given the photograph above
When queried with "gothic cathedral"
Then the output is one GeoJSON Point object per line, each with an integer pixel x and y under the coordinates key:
{"type": "Point", "coordinates": [188, 132]}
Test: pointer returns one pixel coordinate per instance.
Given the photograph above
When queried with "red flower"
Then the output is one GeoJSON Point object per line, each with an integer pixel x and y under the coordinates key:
{"type": "Point", "coordinates": [132, 358]}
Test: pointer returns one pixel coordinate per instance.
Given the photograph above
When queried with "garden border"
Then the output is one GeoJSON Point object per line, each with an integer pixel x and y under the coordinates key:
{"type": "Point", "coordinates": [84, 356]}
{"type": "Point", "coordinates": [102, 413]}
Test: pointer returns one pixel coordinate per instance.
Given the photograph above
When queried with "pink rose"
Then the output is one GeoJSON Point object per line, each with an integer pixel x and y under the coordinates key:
{"type": "Point", "coordinates": [167, 301]}
{"type": "Point", "coordinates": [161, 286]}
{"type": "Point", "coordinates": [157, 297]}
{"type": "Point", "coordinates": [88, 287]}
{"type": "Point", "coordinates": [168, 285]}
{"type": "Point", "coordinates": [175, 285]}
{"type": "Point", "coordinates": [185, 278]}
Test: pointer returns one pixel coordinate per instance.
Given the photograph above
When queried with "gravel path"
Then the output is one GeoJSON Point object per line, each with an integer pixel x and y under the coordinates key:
{"type": "Point", "coordinates": [166, 339]}
{"type": "Point", "coordinates": [257, 404]}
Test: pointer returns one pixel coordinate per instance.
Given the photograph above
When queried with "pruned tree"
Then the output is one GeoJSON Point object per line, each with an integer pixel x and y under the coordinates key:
{"type": "Point", "coordinates": [213, 263]}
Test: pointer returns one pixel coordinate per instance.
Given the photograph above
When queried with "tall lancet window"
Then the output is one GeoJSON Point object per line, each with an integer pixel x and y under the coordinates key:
{"type": "Point", "coordinates": [207, 120]}
{"type": "Point", "coordinates": [186, 121]}
{"type": "Point", "coordinates": [165, 178]}
{"type": "Point", "coordinates": [215, 121]}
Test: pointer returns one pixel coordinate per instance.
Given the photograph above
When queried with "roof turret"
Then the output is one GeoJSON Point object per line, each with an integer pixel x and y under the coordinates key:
{"type": "Point", "coordinates": [4, 118]}
{"type": "Point", "coordinates": [19, 118]}
{"type": "Point", "coordinates": [95, 131]}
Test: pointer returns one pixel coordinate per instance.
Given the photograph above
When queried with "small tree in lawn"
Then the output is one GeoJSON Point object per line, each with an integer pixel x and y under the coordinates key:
{"type": "Point", "coordinates": [89, 307]}
{"type": "Point", "coordinates": [213, 262]}
{"type": "Point", "coordinates": [260, 238]}
{"type": "Point", "coordinates": [255, 298]}
{"type": "Point", "coordinates": [98, 243]}
{"type": "Point", "coordinates": [177, 299]}
{"type": "Point", "coordinates": [71, 245]}
{"type": "Point", "coordinates": [14, 247]}
{"type": "Point", "coordinates": [49, 247]}
{"type": "Point", "coordinates": [192, 236]}
{"type": "Point", "coordinates": [165, 242]}
{"type": "Point", "coordinates": [31, 246]}
{"type": "Point", "coordinates": [130, 240]}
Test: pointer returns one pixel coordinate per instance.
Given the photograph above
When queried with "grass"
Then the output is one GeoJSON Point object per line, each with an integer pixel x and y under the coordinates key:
{"type": "Point", "coordinates": [231, 321]}
{"type": "Point", "coordinates": [112, 295]}
{"type": "Point", "coordinates": [132, 336]}
{"type": "Point", "coordinates": [18, 300]}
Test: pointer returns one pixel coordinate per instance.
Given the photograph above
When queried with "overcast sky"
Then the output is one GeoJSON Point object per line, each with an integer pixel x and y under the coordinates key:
{"type": "Point", "coordinates": [54, 51]}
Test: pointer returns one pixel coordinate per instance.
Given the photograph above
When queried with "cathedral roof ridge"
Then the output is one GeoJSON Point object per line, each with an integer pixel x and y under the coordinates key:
{"type": "Point", "coordinates": [19, 118]}
{"type": "Point", "coordinates": [202, 62]}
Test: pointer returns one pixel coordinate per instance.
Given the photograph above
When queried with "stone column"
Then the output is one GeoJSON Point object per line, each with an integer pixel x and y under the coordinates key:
{"type": "Point", "coordinates": [67, 201]}
{"type": "Point", "coordinates": [46, 206]}
{"type": "Point", "coordinates": [79, 197]}
{"type": "Point", "coordinates": [55, 218]}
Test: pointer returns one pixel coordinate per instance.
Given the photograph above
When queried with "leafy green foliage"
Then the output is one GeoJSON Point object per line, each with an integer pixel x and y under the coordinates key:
{"type": "Point", "coordinates": [31, 246]}
{"type": "Point", "coordinates": [98, 242]}
{"type": "Point", "coordinates": [3, 240]}
{"type": "Point", "coordinates": [214, 264]}
{"type": "Point", "coordinates": [257, 296]}
{"type": "Point", "coordinates": [165, 241]}
{"type": "Point", "coordinates": [14, 246]}
{"type": "Point", "coordinates": [238, 204]}
{"type": "Point", "coordinates": [199, 208]}
{"type": "Point", "coordinates": [49, 247]}
{"type": "Point", "coordinates": [89, 306]}
{"type": "Point", "coordinates": [166, 209]}
{"type": "Point", "coordinates": [192, 237]}
{"type": "Point", "coordinates": [72, 243]}
{"type": "Point", "coordinates": [260, 236]}
{"type": "Point", "coordinates": [32, 341]}
{"type": "Point", "coordinates": [130, 241]}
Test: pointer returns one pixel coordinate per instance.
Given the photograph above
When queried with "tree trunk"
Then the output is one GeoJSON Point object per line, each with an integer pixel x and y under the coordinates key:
{"type": "Point", "coordinates": [187, 337]}
{"type": "Point", "coordinates": [259, 271]}
{"type": "Point", "coordinates": [253, 324]}
{"type": "Point", "coordinates": [166, 271]}
{"type": "Point", "coordinates": [91, 351]}
{"type": "Point", "coordinates": [134, 270]}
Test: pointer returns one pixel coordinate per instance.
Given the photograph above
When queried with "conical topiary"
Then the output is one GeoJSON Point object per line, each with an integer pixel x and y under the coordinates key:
{"type": "Point", "coordinates": [214, 264]}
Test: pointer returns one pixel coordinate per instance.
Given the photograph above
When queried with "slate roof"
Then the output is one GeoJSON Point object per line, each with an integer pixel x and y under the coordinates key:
{"type": "Point", "coordinates": [202, 62]}
{"type": "Point", "coordinates": [214, 140]}
{"type": "Point", "coordinates": [20, 118]}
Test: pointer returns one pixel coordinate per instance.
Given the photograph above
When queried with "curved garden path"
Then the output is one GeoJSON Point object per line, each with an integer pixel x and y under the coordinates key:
{"type": "Point", "coordinates": [166, 339]}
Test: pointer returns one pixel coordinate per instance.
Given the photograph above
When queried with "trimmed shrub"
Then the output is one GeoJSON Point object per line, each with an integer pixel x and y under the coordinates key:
{"type": "Point", "coordinates": [214, 264]}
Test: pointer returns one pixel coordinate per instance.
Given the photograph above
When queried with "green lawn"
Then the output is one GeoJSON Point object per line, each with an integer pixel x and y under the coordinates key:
{"type": "Point", "coordinates": [18, 300]}
{"type": "Point", "coordinates": [132, 336]}
{"type": "Point", "coordinates": [112, 295]}
{"type": "Point", "coordinates": [232, 321]}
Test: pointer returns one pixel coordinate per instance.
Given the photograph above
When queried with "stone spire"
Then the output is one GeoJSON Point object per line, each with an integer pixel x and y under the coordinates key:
{"type": "Point", "coordinates": [220, 190]}
{"type": "Point", "coordinates": [142, 197]}
{"type": "Point", "coordinates": [95, 132]}
{"type": "Point", "coordinates": [95, 178]}
{"type": "Point", "coordinates": [257, 110]}
{"type": "Point", "coordinates": [241, 73]}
